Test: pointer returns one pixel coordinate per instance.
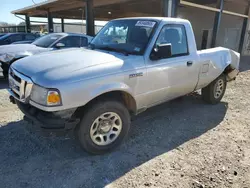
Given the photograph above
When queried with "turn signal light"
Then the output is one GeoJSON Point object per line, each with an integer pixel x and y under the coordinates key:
{"type": "Point", "coordinates": [53, 98]}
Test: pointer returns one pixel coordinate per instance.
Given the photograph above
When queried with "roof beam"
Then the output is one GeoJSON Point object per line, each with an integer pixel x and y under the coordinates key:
{"type": "Point", "coordinates": [33, 6]}
{"type": "Point", "coordinates": [98, 3]}
{"type": "Point", "coordinates": [68, 7]}
{"type": "Point", "coordinates": [40, 12]}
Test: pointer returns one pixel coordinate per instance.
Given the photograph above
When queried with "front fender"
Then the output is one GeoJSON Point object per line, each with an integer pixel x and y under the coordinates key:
{"type": "Point", "coordinates": [12, 60]}
{"type": "Point", "coordinates": [109, 88]}
{"type": "Point", "coordinates": [6, 65]}
{"type": "Point", "coordinates": [78, 94]}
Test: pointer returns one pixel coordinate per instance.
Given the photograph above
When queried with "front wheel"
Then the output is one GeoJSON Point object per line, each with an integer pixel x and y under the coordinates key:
{"type": "Point", "coordinates": [215, 91]}
{"type": "Point", "coordinates": [104, 127]}
{"type": "Point", "coordinates": [5, 70]}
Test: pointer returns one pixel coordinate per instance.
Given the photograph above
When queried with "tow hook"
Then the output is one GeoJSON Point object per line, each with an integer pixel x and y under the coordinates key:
{"type": "Point", "coordinates": [12, 100]}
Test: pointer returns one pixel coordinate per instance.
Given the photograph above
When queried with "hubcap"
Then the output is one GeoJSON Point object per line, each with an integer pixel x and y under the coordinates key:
{"type": "Point", "coordinates": [106, 128]}
{"type": "Point", "coordinates": [219, 88]}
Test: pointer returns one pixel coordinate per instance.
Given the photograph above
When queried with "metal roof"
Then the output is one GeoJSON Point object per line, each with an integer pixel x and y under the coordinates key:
{"type": "Point", "coordinates": [103, 9]}
{"type": "Point", "coordinates": [28, 9]}
{"type": "Point", "coordinates": [108, 9]}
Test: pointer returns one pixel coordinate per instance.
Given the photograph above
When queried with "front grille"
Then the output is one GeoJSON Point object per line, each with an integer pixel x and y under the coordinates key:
{"type": "Point", "coordinates": [15, 76]}
{"type": "Point", "coordinates": [20, 85]}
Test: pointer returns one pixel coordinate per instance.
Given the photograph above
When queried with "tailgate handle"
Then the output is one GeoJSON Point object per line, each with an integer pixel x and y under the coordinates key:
{"type": "Point", "coordinates": [189, 63]}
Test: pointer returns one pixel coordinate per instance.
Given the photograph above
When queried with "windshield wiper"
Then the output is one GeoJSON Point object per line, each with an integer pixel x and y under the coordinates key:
{"type": "Point", "coordinates": [108, 48]}
{"type": "Point", "coordinates": [38, 45]}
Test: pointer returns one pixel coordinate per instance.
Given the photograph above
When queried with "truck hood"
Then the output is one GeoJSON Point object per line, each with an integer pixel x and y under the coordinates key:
{"type": "Point", "coordinates": [21, 50]}
{"type": "Point", "coordinates": [68, 65]}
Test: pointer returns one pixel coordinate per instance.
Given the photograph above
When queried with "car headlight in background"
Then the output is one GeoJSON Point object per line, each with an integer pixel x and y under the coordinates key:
{"type": "Point", "coordinates": [45, 97]}
{"type": "Point", "coordinates": [6, 58]}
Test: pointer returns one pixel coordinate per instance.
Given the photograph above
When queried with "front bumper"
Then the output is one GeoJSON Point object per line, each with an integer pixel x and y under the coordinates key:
{"type": "Point", "coordinates": [60, 120]}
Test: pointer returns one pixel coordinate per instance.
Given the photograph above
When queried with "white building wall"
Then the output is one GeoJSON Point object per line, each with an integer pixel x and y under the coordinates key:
{"type": "Point", "coordinates": [69, 28]}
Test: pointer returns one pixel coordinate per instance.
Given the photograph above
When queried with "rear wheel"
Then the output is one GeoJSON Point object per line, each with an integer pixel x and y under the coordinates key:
{"type": "Point", "coordinates": [215, 91]}
{"type": "Point", "coordinates": [104, 127]}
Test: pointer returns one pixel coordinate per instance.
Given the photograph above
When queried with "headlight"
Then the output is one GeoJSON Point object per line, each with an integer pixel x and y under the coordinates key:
{"type": "Point", "coordinates": [7, 58]}
{"type": "Point", "coordinates": [45, 97]}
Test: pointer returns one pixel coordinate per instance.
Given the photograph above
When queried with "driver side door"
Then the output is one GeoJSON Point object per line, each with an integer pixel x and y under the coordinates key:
{"type": "Point", "coordinates": [176, 75]}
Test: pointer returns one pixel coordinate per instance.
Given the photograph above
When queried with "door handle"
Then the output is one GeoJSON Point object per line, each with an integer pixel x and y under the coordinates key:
{"type": "Point", "coordinates": [189, 63]}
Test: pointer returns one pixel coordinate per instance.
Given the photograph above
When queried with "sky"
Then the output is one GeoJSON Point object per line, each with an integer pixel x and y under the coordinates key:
{"type": "Point", "coordinates": [9, 5]}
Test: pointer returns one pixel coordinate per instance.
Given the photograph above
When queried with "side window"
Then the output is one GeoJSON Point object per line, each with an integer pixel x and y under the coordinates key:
{"type": "Point", "coordinates": [176, 36]}
{"type": "Point", "coordinates": [15, 38]}
{"type": "Point", "coordinates": [84, 41]}
{"type": "Point", "coordinates": [71, 41]}
{"type": "Point", "coordinates": [29, 37]}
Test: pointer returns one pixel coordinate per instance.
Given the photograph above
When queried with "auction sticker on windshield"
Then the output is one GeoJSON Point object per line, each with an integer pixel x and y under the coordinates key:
{"type": "Point", "coordinates": [145, 24]}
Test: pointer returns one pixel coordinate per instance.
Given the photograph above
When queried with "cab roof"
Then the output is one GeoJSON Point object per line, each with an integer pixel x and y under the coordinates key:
{"type": "Point", "coordinates": [157, 19]}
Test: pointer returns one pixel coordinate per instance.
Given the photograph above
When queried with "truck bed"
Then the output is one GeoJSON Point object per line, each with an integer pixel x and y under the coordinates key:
{"type": "Point", "coordinates": [214, 61]}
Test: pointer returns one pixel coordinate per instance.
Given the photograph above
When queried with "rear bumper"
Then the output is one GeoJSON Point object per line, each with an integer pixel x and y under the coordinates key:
{"type": "Point", "coordinates": [232, 75]}
{"type": "Point", "coordinates": [60, 120]}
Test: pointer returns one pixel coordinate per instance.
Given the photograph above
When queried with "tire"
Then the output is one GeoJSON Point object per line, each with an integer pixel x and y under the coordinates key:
{"type": "Point", "coordinates": [5, 75]}
{"type": "Point", "coordinates": [5, 70]}
{"type": "Point", "coordinates": [213, 93]}
{"type": "Point", "coordinates": [97, 120]}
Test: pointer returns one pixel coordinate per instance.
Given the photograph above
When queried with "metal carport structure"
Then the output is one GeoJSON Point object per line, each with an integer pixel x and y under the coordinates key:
{"type": "Point", "coordinates": [88, 9]}
{"type": "Point", "coordinates": [91, 10]}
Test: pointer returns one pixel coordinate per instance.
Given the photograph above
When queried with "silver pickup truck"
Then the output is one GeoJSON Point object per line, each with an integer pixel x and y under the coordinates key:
{"type": "Point", "coordinates": [131, 65]}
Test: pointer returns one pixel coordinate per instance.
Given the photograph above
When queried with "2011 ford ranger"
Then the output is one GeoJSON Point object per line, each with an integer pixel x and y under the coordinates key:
{"type": "Point", "coordinates": [132, 64]}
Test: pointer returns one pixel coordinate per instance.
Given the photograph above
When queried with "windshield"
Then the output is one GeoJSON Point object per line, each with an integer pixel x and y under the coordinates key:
{"type": "Point", "coordinates": [130, 36]}
{"type": "Point", "coordinates": [47, 40]}
{"type": "Point", "coordinates": [4, 36]}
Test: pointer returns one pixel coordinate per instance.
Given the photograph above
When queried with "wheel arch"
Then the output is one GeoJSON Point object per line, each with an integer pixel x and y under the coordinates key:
{"type": "Point", "coordinates": [120, 95]}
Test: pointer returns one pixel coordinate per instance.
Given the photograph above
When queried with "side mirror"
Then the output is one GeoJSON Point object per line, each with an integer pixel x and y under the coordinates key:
{"type": "Point", "coordinates": [60, 45]}
{"type": "Point", "coordinates": [161, 51]}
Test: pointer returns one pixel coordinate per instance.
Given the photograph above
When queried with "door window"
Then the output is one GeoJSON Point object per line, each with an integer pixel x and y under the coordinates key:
{"type": "Point", "coordinates": [15, 38]}
{"type": "Point", "coordinates": [29, 37]}
{"type": "Point", "coordinates": [71, 41]}
{"type": "Point", "coordinates": [176, 36]}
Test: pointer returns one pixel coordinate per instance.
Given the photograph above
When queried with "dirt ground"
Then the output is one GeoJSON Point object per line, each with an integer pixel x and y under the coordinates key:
{"type": "Point", "coordinates": [183, 143]}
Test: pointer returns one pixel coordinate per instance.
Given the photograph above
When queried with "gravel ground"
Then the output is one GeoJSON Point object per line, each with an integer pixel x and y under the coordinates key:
{"type": "Point", "coordinates": [183, 143]}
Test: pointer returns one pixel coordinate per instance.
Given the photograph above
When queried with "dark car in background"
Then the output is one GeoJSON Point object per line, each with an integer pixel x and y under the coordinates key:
{"type": "Point", "coordinates": [2, 34]}
{"type": "Point", "coordinates": [23, 42]}
{"type": "Point", "coordinates": [55, 41]}
{"type": "Point", "coordinates": [9, 38]}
